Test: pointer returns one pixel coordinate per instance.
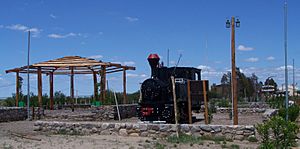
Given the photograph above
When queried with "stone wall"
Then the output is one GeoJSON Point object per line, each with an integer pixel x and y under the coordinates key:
{"type": "Point", "coordinates": [12, 114]}
{"type": "Point", "coordinates": [144, 130]}
{"type": "Point", "coordinates": [93, 114]}
{"type": "Point", "coordinates": [242, 110]}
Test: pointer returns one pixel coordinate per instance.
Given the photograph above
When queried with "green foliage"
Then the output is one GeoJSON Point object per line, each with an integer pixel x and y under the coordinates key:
{"type": "Point", "coordinates": [234, 146]}
{"type": "Point", "coordinates": [252, 139]}
{"type": "Point", "coordinates": [223, 103]}
{"type": "Point", "coordinates": [110, 98]}
{"type": "Point", "coordinates": [277, 102]}
{"type": "Point", "coordinates": [159, 146]}
{"type": "Point", "coordinates": [283, 132]}
{"type": "Point", "coordinates": [293, 112]}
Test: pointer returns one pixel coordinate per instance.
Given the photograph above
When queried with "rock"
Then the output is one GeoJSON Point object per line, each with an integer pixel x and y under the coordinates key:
{"type": "Point", "coordinates": [123, 132]}
{"type": "Point", "coordinates": [195, 129]}
{"type": "Point", "coordinates": [94, 130]}
{"type": "Point", "coordinates": [185, 128]}
{"type": "Point", "coordinates": [134, 135]}
{"type": "Point", "coordinates": [205, 128]}
{"type": "Point", "coordinates": [239, 137]}
{"type": "Point", "coordinates": [105, 132]}
{"type": "Point", "coordinates": [104, 126]}
{"type": "Point", "coordinates": [239, 132]}
{"type": "Point", "coordinates": [164, 127]}
{"type": "Point", "coordinates": [143, 127]}
{"type": "Point", "coordinates": [144, 134]}
{"type": "Point", "coordinates": [216, 128]}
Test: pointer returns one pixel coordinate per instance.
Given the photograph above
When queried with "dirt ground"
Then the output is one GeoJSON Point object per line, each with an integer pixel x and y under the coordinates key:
{"type": "Point", "coordinates": [9, 140]}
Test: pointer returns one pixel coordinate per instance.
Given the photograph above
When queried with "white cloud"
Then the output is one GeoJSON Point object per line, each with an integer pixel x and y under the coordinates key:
{"type": "Point", "coordinates": [204, 68]}
{"type": "Point", "coordinates": [252, 59]}
{"type": "Point", "coordinates": [281, 68]}
{"type": "Point", "coordinates": [1, 26]}
{"type": "Point", "coordinates": [131, 19]}
{"type": "Point", "coordinates": [270, 58]}
{"type": "Point", "coordinates": [133, 75]}
{"type": "Point", "coordinates": [126, 63]}
{"type": "Point", "coordinates": [129, 63]}
{"type": "Point", "coordinates": [100, 33]}
{"type": "Point", "coordinates": [96, 56]}
{"type": "Point", "coordinates": [19, 27]}
{"type": "Point", "coordinates": [52, 16]}
{"type": "Point", "coordinates": [244, 48]}
{"type": "Point", "coordinates": [60, 36]}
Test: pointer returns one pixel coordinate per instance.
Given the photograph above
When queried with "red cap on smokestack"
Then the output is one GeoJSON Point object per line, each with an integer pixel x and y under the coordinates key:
{"type": "Point", "coordinates": [153, 56]}
{"type": "Point", "coordinates": [153, 60]}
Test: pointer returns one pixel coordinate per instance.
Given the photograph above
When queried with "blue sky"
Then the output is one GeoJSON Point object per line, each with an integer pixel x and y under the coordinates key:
{"type": "Point", "coordinates": [128, 31]}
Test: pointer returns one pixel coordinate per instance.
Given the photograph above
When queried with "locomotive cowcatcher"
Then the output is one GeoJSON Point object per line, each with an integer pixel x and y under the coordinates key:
{"type": "Point", "coordinates": [156, 103]}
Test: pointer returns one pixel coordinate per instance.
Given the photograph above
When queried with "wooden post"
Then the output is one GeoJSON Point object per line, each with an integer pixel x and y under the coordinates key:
{"type": "Point", "coordinates": [40, 95]}
{"type": "Point", "coordinates": [51, 90]}
{"type": "Point", "coordinates": [124, 87]}
{"type": "Point", "coordinates": [17, 89]}
{"type": "Point", "coordinates": [233, 73]}
{"type": "Point", "coordinates": [103, 82]}
{"type": "Point", "coordinates": [175, 104]}
{"type": "Point", "coordinates": [95, 85]}
{"type": "Point", "coordinates": [205, 102]}
{"type": "Point", "coordinates": [72, 87]}
{"type": "Point", "coordinates": [189, 101]}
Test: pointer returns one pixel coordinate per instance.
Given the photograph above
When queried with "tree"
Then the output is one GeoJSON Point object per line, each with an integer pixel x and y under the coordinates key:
{"type": "Point", "coordinates": [270, 81]}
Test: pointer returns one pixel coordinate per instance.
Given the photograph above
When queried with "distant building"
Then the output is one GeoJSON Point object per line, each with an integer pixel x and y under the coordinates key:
{"type": "Point", "coordinates": [290, 90]}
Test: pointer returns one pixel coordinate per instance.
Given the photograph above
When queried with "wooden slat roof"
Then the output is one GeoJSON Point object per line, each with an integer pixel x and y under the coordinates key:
{"type": "Point", "coordinates": [81, 65]}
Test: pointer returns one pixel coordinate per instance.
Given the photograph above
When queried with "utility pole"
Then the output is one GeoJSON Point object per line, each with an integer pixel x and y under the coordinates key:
{"type": "Point", "coordinates": [28, 84]}
{"type": "Point", "coordinates": [234, 23]}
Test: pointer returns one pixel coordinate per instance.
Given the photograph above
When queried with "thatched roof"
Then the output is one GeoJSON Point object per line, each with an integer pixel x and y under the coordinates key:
{"type": "Point", "coordinates": [80, 65]}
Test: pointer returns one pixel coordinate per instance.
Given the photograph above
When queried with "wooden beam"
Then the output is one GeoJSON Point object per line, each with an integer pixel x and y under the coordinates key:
{"type": "Point", "coordinates": [175, 104]}
{"type": "Point", "coordinates": [95, 85]}
{"type": "Point", "coordinates": [205, 101]}
{"type": "Point", "coordinates": [189, 101]}
{"type": "Point", "coordinates": [103, 83]}
{"type": "Point", "coordinates": [72, 87]}
{"type": "Point", "coordinates": [40, 96]}
{"type": "Point", "coordinates": [17, 89]}
{"type": "Point", "coordinates": [115, 71]}
{"type": "Point", "coordinates": [51, 90]}
{"type": "Point", "coordinates": [124, 87]}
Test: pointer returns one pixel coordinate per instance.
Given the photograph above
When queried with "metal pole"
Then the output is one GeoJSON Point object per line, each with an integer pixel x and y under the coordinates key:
{"type": "Point", "coordinates": [293, 79]}
{"type": "Point", "coordinates": [285, 54]}
{"type": "Point", "coordinates": [28, 85]}
{"type": "Point", "coordinates": [168, 56]}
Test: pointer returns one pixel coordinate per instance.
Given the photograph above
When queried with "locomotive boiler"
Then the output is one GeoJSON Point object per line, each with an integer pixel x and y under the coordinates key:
{"type": "Point", "coordinates": [157, 103]}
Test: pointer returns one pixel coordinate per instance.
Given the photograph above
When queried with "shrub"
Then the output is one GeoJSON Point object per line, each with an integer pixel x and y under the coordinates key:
{"type": "Point", "coordinates": [283, 132]}
{"type": "Point", "coordinates": [293, 112]}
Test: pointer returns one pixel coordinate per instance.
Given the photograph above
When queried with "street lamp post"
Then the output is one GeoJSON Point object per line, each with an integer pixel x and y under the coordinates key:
{"type": "Point", "coordinates": [285, 59]}
{"type": "Point", "coordinates": [234, 23]}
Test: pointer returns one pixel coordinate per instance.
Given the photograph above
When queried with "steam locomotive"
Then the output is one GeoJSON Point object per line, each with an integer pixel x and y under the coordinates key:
{"type": "Point", "coordinates": [156, 103]}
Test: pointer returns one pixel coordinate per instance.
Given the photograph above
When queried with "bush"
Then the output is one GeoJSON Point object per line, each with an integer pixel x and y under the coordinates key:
{"type": "Point", "coordinates": [283, 133]}
{"type": "Point", "coordinates": [223, 103]}
{"type": "Point", "coordinates": [293, 112]}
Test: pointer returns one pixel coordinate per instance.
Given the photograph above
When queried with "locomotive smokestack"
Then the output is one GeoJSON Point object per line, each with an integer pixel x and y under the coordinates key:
{"type": "Point", "coordinates": [153, 60]}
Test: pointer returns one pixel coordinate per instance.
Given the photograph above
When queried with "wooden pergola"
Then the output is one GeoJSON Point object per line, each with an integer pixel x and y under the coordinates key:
{"type": "Point", "coordinates": [71, 65]}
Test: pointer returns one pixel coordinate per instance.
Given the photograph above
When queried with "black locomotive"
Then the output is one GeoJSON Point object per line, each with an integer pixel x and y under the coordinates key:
{"type": "Point", "coordinates": [156, 102]}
